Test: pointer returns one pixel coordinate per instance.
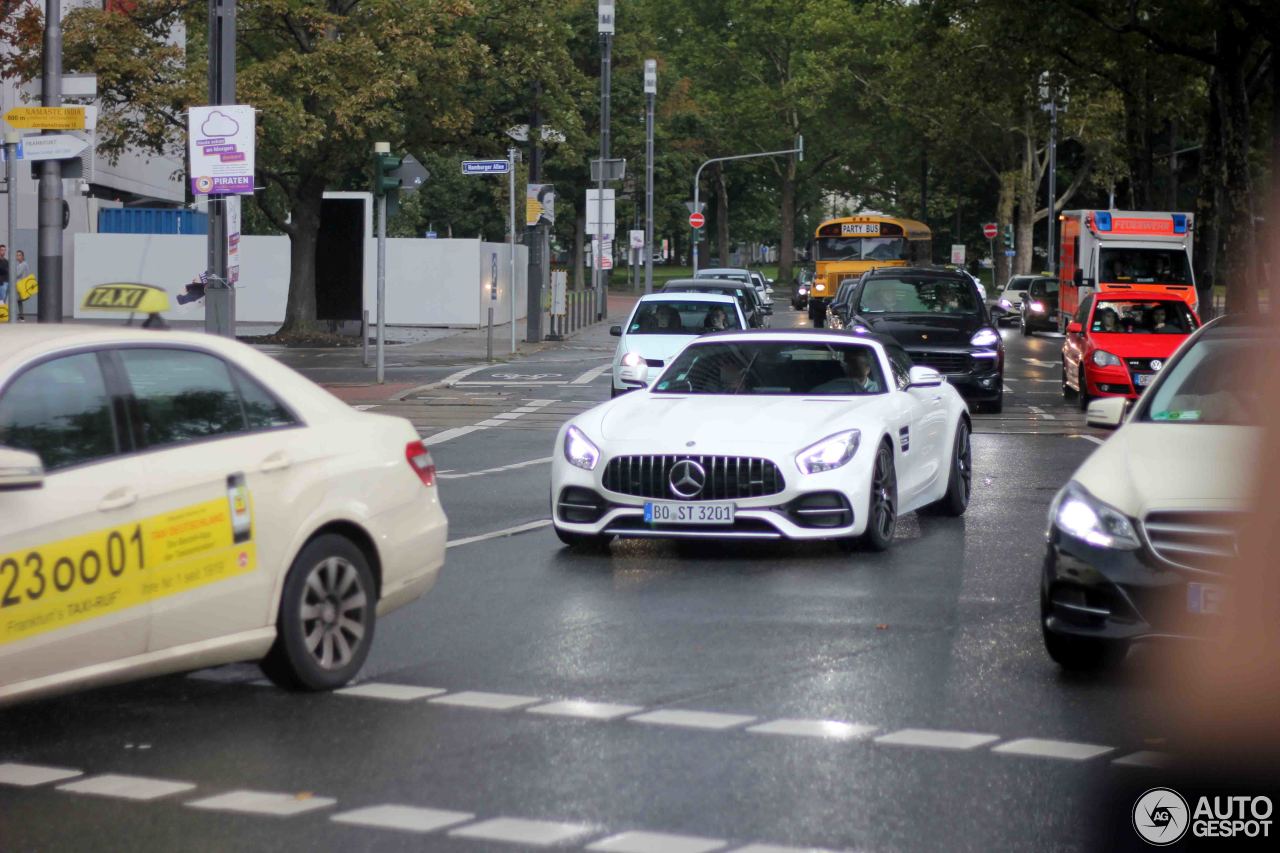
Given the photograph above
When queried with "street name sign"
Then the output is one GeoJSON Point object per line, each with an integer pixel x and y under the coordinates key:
{"type": "Point", "coordinates": [485, 167]}
{"type": "Point", "coordinates": [59, 146]}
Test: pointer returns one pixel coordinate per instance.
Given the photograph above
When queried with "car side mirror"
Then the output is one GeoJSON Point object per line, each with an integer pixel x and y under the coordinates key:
{"type": "Point", "coordinates": [1107, 412]}
{"type": "Point", "coordinates": [20, 469]}
{"type": "Point", "coordinates": [924, 377]}
{"type": "Point", "coordinates": [616, 331]}
{"type": "Point", "coordinates": [1074, 328]}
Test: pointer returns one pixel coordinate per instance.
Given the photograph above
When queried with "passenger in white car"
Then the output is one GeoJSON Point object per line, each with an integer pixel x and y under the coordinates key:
{"type": "Point", "coordinates": [858, 378]}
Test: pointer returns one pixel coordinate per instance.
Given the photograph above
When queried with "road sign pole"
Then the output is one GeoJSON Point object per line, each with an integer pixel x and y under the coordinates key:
{"type": "Point", "coordinates": [511, 183]}
{"type": "Point", "coordinates": [220, 297]}
{"type": "Point", "coordinates": [651, 93]}
{"type": "Point", "coordinates": [11, 183]}
{"type": "Point", "coordinates": [49, 212]}
{"type": "Point", "coordinates": [605, 25]}
{"type": "Point", "coordinates": [380, 356]}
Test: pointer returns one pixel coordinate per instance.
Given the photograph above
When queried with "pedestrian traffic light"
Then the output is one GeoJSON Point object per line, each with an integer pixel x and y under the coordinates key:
{"type": "Point", "coordinates": [1008, 235]}
{"type": "Point", "coordinates": [383, 180]}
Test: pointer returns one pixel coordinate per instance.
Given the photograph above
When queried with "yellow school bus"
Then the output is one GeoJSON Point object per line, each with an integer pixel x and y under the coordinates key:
{"type": "Point", "coordinates": [849, 246]}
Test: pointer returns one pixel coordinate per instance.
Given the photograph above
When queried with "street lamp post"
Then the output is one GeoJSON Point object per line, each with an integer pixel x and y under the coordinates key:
{"type": "Point", "coordinates": [650, 94]}
{"type": "Point", "coordinates": [697, 179]}
{"type": "Point", "coordinates": [605, 27]}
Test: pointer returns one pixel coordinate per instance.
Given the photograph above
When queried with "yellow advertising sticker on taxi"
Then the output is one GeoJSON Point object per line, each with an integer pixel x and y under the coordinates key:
{"type": "Point", "coordinates": [61, 583]}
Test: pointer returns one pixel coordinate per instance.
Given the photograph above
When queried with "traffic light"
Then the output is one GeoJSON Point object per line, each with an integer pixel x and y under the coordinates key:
{"type": "Point", "coordinates": [1007, 237]}
{"type": "Point", "coordinates": [383, 180]}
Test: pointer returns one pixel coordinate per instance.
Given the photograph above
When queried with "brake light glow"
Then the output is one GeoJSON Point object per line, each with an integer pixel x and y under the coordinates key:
{"type": "Point", "coordinates": [419, 459]}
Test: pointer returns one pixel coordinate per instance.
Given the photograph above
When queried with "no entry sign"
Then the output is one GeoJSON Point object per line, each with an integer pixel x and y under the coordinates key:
{"type": "Point", "coordinates": [697, 220]}
{"type": "Point", "coordinates": [990, 230]}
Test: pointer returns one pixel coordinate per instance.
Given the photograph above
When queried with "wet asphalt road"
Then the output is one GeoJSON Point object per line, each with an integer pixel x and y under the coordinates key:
{"type": "Point", "coordinates": [839, 657]}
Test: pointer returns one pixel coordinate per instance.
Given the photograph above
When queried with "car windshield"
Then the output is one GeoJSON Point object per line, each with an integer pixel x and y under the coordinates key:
{"type": "Point", "coordinates": [675, 317]}
{"type": "Point", "coordinates": [1154, 317]}
{"type": "Point", "coordinates": [918, 296]}
{"type": "Point", "coordinates": [731, 276]}
{"type": "Point", "coordinates": [1157, 266]}
{"type": "Point", "coordinates": [1215, 382]}
{"type": "Point", "coordinates": [861, 249]}
{"type": "Point", "coordinates": [788, 368]}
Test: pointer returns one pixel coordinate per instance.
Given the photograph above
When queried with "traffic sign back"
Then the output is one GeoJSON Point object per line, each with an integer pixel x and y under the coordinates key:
{"type": "Point", "coordinates": [697, 220]}
{"type": "Point", "coordinates": [990, 230]}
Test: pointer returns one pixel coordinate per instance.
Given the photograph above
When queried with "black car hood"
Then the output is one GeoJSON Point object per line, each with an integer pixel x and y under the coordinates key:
{"type": "Point", "coordinates": [925, 330]}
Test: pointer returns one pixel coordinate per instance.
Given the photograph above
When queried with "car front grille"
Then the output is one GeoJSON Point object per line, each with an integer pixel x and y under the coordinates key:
{"type": "Point", "coordinates": [1142, 364]}
{"type": "Point", "coordinates": [726, 477]}
{"type": "Point", "coordinates": [943, 362]}
{"type": "Point", "coordinates": [1207, 541]}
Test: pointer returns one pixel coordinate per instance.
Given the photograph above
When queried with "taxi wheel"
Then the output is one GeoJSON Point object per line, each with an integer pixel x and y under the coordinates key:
{"type": "Point", "coordinates": [327, 616]}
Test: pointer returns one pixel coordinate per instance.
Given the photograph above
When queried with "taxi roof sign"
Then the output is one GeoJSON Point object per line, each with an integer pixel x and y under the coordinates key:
{"type": "Point", "coordinates": [127, 296]}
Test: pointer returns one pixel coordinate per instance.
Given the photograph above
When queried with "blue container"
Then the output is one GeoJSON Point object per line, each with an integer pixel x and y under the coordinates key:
{"type": "Point", "coordinates": [152, 220]}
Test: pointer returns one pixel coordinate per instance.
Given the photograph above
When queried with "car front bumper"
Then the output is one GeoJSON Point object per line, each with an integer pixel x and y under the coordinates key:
{"type": "Point", "coordinates": [977, 376]}
{"type": "Point", "coordinates": [1110, 594]}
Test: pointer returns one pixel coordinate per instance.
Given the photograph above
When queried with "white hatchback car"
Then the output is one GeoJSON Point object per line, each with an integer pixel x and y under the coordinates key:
{"type": "Point", "coordinates": [659, 327]}
{"type": "Point", "coordinates": [172, 501]}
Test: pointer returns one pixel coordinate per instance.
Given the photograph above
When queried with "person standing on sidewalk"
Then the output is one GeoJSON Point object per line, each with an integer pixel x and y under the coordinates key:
{"type": "Point", "coordinates": [4, 274]}
{"type": "Point", "coordinates": [20, 271]}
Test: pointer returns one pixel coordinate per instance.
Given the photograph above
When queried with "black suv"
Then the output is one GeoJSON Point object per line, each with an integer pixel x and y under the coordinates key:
{"type": "Point", "coordinates": [941, 321]}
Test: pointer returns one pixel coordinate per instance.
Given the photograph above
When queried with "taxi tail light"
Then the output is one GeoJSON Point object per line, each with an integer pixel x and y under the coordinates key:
{"type": "Point", "coordinates": [420, 461]}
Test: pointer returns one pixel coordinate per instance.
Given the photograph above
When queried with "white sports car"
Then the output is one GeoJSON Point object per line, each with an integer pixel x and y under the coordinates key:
{"type": "Point", "coordinates": [801, 434]}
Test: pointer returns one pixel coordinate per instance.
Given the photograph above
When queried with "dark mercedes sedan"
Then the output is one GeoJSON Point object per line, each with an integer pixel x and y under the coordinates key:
{"type": "Point", "coordinates": [939, 318]}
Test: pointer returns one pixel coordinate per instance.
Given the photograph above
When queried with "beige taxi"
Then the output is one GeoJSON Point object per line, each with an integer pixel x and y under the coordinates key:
{"type": "Point", "coordinates": [170, 501]}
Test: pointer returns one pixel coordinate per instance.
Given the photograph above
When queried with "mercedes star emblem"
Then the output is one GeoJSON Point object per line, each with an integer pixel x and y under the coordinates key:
{"type": "Point", "coordinates": [687, 479]}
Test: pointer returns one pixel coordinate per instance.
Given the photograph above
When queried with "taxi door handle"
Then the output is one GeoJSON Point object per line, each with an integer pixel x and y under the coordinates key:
{"type": "Point", "coordinates": [118, 499]}
{"type": "Point", "coordinates": [277, 461]}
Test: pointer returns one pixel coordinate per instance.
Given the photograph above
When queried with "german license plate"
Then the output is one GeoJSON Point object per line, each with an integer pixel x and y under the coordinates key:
{"type": "Point", "coordinates": [1145, 379]}
{"type": "Point", "coordinates": [1205, 598]}
{"type": "Point", "coordinates": [670, 512]}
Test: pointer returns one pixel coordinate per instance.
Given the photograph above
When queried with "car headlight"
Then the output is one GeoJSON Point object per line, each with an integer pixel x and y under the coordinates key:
{"type": "Point", "coordinates": [1103, 358]}
{"type": "Point", "coordinates": [578, 449]}
{"type": "Point", "coordinates": [802, 290]}
{"type": "Point", "coordinates": [1080, 514]}
{"type": "Point", "coordinates": [1035, 306]}
{"type": "Point", "coordinates": [818, 288]}
{"type": "Point", "coordinates": [832, 452]}
{"type": "Point", "coordinates": [633, 359]}
{"type": "Point", "coordinates": [985, 338]}
{"type": "Point", "coordinates": [1005, 303]}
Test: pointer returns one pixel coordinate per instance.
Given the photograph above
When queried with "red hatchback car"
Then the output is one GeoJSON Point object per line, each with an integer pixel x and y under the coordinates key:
{"type": "Point", "coordinates": [1118, 341]}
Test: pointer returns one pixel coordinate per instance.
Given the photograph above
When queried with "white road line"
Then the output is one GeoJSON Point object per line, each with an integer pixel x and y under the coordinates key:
{"type": "Point", "coordinates": [1092, 438]}
{"type": "Point", "coordinates": [1041, 412]}
{"type": "Point", "coordinates": [124, 787]}
{"type": "Point", "coordinates": [454, 475]}
{"type": "Point", "coordinates": [491, 422]}
{"type": "Point", "coordinates": [364, 407]}
{"type": "Point", "coordinates": [394, 692]}
{"type": "Point", "coordinates": [813, 728]}
{"type": "Point", "coordinates": [936, 739]}
{"type": "Point", "coordinates": [1052, 749]}
{"type": "Point", "coordinates": [536, 833]}
{"type": "Point", "coordinates": [30, 775]}
{"type": "Point", "coordinates": [1145, 758]}
{"type": "Point", "coordinates": [692, 719]}
{"type": "Point", "coordinates": [449, 435]}
{"type": "Point", "coordinates": [262, 802]}
{"type": "Point", "coordinates": [777, 848]}
{"type": "Point", "coordinates": [488, 701]}
{"type": "Point", "coordinates": [443, 383]}
{"type": "Point", "coordinates": [406, 818]}
{"type": "Point", "coordinates": [585, 710]}
{"type": "Point", "coordinates": [508, 382]}
{"type": "Point", "coordinates": [592, 374]}
{"type": "Point", "coordinates": [657, 842]}
{"type": "Point", "coordinates": [498, 534]}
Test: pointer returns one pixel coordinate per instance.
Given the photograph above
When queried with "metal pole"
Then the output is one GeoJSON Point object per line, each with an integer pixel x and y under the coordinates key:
{"type": "Point", "coordinates": [382, 284]}
{"type": "Point", "coordinates": [697, 208]}
{"type": "Point", "coordinates": [49, 212]}
{"type": "Point", "coordinates": [511, 185]}
{"type": "Point", "coordinates": [220, 297]}
{"type": "Point", "coordinates": [1053, 182]}
{"type": "Point", "coordinates": [364, 338]}
{"type": "Point", "coordinates": [489, 338]}
{"type": "Point", "coordinates": [606, 83]}
{"type": "Point", "coordinates": [11, 183]}
{"type": "Point", "coordinates": [651, 89]}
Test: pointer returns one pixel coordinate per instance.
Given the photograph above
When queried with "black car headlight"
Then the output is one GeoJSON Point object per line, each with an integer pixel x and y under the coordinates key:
{"type": "Point", "coordinates": [1077, 512]}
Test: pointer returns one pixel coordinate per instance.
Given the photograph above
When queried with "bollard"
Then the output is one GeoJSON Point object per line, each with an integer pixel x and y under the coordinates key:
{"type": "Point", "coordinates": [489, 341]}
{"type": "Point", "coordinates": [364, 338]}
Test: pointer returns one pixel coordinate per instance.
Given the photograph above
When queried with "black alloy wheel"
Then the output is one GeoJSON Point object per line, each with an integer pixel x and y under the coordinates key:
{"type": "Point", "coordinates": [960, 481]}
{"type": "Point", "coordinates": [882, 514]}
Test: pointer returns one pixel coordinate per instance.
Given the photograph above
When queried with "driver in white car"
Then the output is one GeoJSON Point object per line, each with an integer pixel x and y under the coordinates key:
{"type": "Point", "coordinates": [857, 379]}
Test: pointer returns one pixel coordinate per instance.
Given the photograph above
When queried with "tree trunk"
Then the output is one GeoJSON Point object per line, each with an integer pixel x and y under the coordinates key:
{"type": "Point", "coordinates": [1138, 142]}
{"type": "Point", "coordinates": [1024, 227]}
{"type": "Point", "coordinates": [1208, 204]}
{"type": "Point", "coordinates": [722, 215]}
{"type": "Point", "coordinates": [579, 246]}
{"type": "Point", "coordinates": [304, 235]}
{"type": "Point", "coordinates": [787, 239]}
{"type": "Point", "coordinates": [1004, 216]}
{"type": "Point", "coordinates": [1239, 244]}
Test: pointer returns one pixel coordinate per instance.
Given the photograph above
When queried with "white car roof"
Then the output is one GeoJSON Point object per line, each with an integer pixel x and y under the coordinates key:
{"type": "Point", "coordinates": [799, 336]}
{"type": "Point", "coordinates": [677, 296]}
{"type": "Point", "coordinates": [711, 272]}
